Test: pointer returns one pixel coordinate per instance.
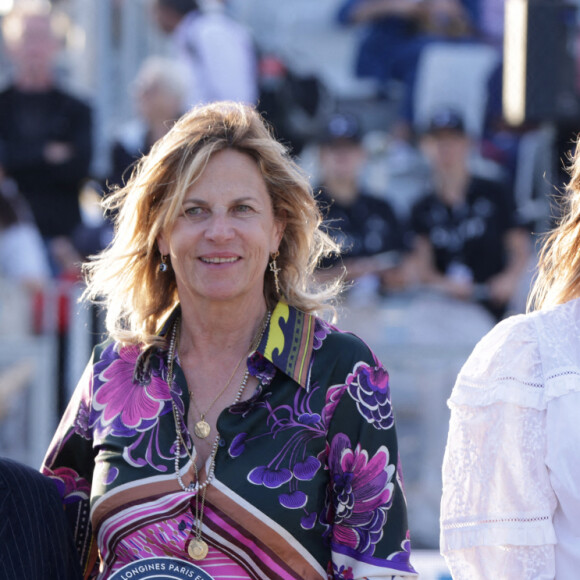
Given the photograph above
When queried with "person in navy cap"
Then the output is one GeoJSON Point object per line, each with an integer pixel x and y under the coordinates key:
{"type": "Point", "coordinates": [468, 239]}
{"type": "Point", "coordinates": [366, 226]}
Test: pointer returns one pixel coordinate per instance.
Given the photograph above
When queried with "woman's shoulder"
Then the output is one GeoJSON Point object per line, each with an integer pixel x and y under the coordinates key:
{"type": "Point", "coordinates": [342, 344]}
{"type": "Point", "coordinates": [504, 365]}
{"type": "Point", "coordinates": [517, 360]}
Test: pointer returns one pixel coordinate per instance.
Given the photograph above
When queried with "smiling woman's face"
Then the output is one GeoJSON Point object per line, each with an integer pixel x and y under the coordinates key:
{"type": "Point", "coordinates": [221, 244]}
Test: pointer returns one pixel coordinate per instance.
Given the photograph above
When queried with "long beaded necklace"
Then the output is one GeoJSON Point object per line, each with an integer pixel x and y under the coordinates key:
{"type": "Point", "coordinates": [198, 548]}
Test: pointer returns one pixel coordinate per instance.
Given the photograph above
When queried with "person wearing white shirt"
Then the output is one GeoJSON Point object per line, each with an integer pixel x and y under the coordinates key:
{"type": "Point", "coordinates": [511, 476]}
{"type": "Point", "coordinates": [218, 51]}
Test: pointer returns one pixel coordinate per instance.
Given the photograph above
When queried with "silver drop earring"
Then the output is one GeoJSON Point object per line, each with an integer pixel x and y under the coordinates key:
{"type": "Point", "coordinates": [163, 267]}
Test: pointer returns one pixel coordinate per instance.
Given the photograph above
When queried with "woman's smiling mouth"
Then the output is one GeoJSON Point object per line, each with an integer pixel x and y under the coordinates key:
{"type": "Point", "coordinates": [219, 260]}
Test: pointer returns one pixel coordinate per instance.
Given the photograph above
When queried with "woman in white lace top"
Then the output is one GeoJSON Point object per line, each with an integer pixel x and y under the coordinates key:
{"type": "Point", "coordinates": [511, 472]}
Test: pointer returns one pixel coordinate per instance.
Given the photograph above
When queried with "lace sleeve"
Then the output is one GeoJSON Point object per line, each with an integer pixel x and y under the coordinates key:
{"type": "Point", "coordinates": [485, 562]}
{"type": "Point", "coordinates": [497, 504]}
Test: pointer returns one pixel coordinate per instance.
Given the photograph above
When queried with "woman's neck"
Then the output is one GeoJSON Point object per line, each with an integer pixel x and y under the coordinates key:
{"type": "Point", "coordinates": [219, 328]}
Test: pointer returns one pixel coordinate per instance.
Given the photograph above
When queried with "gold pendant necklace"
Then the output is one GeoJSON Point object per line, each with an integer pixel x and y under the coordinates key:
{"type": "Point", "coordinates": [198, 548]}
{"type": "Point", "coordinates": [202, 428]}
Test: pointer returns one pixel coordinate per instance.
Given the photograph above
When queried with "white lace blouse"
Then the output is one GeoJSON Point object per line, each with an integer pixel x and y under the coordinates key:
{"type": "Point", "coordinates": [511, 472]}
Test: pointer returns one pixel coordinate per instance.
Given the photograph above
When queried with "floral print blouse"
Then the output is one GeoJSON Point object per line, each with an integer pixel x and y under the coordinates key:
{"type": "Point", "coordinates": [307, 482]}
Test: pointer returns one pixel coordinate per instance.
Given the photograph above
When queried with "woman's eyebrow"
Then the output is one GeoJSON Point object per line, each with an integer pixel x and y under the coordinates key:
{"type": "Point", "coordinates": [196, 201]}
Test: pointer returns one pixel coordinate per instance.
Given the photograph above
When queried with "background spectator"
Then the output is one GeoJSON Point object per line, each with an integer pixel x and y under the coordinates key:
{"type": "Point", "coordinates": [394, 34]}
{"type": "Point", "coordinates": [468, 241]}
{"type": "Point", "coordinates": [45, 132]}
{"type": "Point", "coordinates": [218, 51]}
{"type": "Point", "coordinates": [160, 93]}
{"type": "Point", "coordinates": [366, 227]}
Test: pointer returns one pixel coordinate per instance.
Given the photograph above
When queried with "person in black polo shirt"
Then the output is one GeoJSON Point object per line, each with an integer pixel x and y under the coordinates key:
{"type": "Point", "coordinates": [468, 241]}
{"type": "Point", "coordinates": [365, 226]}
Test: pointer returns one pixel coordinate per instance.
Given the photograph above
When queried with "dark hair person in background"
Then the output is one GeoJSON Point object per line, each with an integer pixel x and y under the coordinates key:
{"type": "Point", "coordinates": [225, 423]}
{"type": "Point", "coordinates": [511, 476]}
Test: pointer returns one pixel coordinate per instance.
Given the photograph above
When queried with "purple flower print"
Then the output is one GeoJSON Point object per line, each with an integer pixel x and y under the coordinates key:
{"type": "Point", "coordinates": [261, 368]}
{"type": "Point", "coordinates": [369, 387]}
{"type": "Point", "coordinates": [71, 486]}
{"type": "Point", "coordinates": [321, 330]}
{"type": "Point", "coordinates": [123, 406]}
{"type": "Point", "coordinates": [306, 470]}
{"type": "Point", "coordinates": [81, 423]}
{"type": "Point", "coordinates": [110, 476]}
{"type": "Point", "coordinates": [333, 395]}
{"type": "Point", "coordinates": [361, 492]}
{"type": "Point", "coordinates": [401, 559]}
{"type": "Point", "coordinates": [292, 465]}
{"type": "Point", "coordinates": [308, 521]}
{"type": "Point", "coordinates": [238, 445]}
{"type": "Point", "coordinates": [341, 573]}
{"type": "Point", "coordinates": [294, 500]}
{"type": "Point", "coordinates": [269, 477]}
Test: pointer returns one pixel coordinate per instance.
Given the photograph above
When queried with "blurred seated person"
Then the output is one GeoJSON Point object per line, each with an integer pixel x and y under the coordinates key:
{"type": "Point", "coordinates": [447, 19]}
{"type": "Point", "coordinates": [23, 258]}
{"type": "Point", "coordinates": [160, 91]}
{"type": "Point", "coordinates": [393, 35]}
{"type": "Point", "coordinates": [365, 226]}
{"type": "Point", "coordinates": [468, 240]}
{"type": "Point", "coordinates": [390, 29]}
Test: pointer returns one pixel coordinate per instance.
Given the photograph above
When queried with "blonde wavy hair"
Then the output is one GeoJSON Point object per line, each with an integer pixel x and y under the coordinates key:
{"type": "Point", "coordinates": [557, 278]}
{"type": "Point", "coordinates": [125, 277]}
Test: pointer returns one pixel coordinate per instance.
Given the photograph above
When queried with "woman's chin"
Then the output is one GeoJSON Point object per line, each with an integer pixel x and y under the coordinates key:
{"type": "Point", "coordinates": [225, 294]}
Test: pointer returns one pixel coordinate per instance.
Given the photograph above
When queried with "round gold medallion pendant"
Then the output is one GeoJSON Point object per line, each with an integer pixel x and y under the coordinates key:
{"type": "Point", "coordinates": [197, 549]}
{"type": "Point", "coordinates": [202, 429]}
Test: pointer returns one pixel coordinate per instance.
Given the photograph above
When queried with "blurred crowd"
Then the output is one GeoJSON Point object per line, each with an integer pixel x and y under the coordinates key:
{"type": "Point", "coordinates": [463, 231]}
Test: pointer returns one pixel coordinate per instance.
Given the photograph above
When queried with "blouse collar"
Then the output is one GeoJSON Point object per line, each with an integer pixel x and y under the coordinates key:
{"type": "Point", "coordinates": [288, 342]}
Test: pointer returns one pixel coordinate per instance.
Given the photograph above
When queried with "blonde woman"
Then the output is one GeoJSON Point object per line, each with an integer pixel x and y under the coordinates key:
{"type": "Point", "coordinates": [225, 426]}
{"type": "Point", "coordinates": [511, 475]}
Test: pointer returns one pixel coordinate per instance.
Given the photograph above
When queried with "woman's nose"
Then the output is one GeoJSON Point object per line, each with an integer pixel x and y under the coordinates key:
{"type": "Point", "coordinates": [219, 227]}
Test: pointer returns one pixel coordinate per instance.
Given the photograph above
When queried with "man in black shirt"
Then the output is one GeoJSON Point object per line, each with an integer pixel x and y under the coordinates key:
{"type": "Point", "coordinates": [45, 132]}
{"type": "Point", "coordinates": [468, 241]}
{"type": "Point", "coordinates": [366, 227]}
